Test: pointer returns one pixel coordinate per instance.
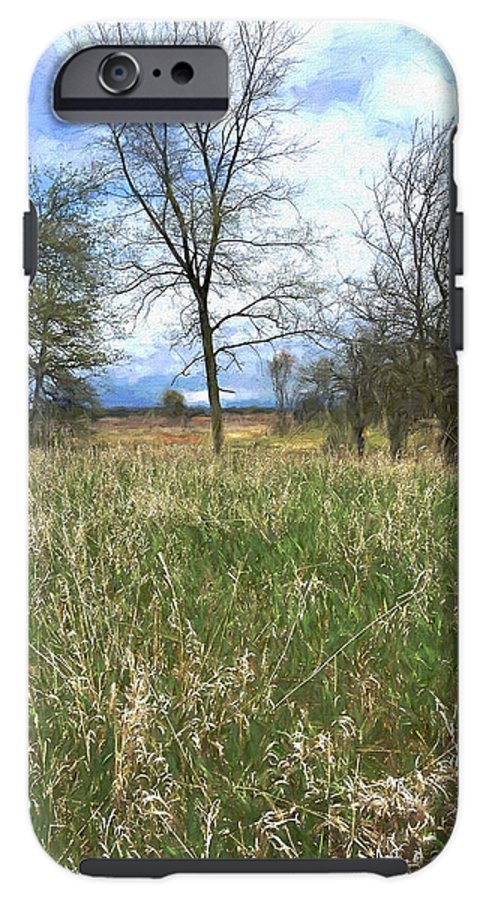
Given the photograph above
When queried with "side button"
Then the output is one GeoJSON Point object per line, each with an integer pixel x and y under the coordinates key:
{"type": "Point", "coordinates": [456, 320]}
{"type": "Point", "coordinates": [30, 241]}
{"type": "Point", "coordinates": [458, 244]}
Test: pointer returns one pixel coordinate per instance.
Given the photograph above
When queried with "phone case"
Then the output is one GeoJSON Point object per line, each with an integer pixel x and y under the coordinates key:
{"type": "Point", "coordinates": [243, 417]}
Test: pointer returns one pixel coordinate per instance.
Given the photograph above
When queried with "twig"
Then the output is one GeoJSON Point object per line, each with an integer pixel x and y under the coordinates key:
{"type": "Point", "coordinates": [404, 599]}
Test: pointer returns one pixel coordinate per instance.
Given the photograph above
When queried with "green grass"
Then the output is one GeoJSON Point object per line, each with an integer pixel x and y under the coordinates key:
{"type": "Point", "coordinates": [177, 605]}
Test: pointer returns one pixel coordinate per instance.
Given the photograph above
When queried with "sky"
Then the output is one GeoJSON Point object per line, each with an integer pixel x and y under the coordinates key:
{"type": "Point", "coordinates": [358, 87]}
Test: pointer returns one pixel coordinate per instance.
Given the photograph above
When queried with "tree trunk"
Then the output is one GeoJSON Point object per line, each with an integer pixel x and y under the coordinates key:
{"type": "Point", "coordinates": [360, 441]}
{"type": "Point", "coordinates": [282, 421]}
{"type": "Point", "coordinates": [449, 439]}
{"type": "Point", "coordinates": [35, 413]}
{"type": "Point", "coordinates": [446, 409]}
{"type": "Point", "coordinates": [397, 431]}
{"type": "Point", "coordinates": [35, 417]}
{"type": "Point", "coordinates": [212, 381]}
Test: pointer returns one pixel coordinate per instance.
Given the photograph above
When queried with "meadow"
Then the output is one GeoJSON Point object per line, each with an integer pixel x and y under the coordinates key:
{"type": "Point", "coordinates": [248, 656]}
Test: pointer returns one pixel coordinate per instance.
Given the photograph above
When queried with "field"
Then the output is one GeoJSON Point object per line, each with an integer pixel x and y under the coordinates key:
{"type": "Point", "coordinates": [161, 430]}
{"type": "Point", "coordinates": [253, 656]}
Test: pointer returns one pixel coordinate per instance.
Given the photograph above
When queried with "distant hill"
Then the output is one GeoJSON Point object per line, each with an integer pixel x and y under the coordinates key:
{"type": "Point", "coordinates": [145, 392]}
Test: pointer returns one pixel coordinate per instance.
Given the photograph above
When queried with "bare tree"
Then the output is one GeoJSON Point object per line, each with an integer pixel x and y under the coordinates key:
{"type": "Point", "coordinates": [214, 224]}
{"type": "Point", "coordinates": [281, 370]}
{"type": "Point", "coordinates": [315, 389]}
{"type": "Point", "coordinates": [354, 378]}
{"type": "Point", "coordinates": [405, 295]}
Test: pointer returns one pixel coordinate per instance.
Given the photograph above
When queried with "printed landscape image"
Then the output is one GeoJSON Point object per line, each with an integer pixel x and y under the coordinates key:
{"type": "Point", "coordinates": [243, 421]}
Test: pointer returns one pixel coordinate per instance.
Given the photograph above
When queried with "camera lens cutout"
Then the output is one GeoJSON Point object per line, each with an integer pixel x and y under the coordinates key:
{"type": "Point", "coordinates": [118, 73]}
{"type": "Point", "coordinates": [182, 73]}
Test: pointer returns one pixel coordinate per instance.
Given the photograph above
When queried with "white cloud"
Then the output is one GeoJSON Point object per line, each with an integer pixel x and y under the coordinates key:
{"type": "Point", "coordinates": [416, 88]}
{"type": "Point", "coordinates": [196, 396]}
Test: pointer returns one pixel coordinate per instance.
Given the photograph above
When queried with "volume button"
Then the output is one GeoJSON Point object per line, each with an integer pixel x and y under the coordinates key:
{"type": "Point", "coordinates": [30, 230]}
{"type": "Point", "coordinates": [458, 244]}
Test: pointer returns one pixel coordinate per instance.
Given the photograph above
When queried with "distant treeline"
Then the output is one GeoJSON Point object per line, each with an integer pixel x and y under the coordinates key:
{"type": "Point", "coordinates": [123, 412]}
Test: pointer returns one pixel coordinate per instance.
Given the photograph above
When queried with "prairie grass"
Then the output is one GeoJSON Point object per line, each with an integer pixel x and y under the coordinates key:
{"type": "Point", "coordinates": [248, 657]}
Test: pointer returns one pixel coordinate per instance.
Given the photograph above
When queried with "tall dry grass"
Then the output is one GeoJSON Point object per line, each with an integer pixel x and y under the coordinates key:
{"type": "Point", "coordinates": [250, 657]}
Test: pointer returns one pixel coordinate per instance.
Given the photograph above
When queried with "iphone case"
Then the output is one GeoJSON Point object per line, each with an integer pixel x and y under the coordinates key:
{"type": "Point", "coordinates": [243, 417]}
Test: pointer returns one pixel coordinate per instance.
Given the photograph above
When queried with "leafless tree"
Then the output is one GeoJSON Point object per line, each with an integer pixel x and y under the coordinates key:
{"type": "Point", "coordinates": [405, 295]}
{"type": "Point", "coordinates": [214, 223]}
{"type": "Point", "coordinates": [314, 389]}
{"type": "Point", "coordinates": [354, 378]}
{"type": "Point", "coordinates": [281, 371]}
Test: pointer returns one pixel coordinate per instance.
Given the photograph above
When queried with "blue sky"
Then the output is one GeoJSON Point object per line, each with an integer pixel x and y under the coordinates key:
{"type": "Point", "coordinates": [359, 87]}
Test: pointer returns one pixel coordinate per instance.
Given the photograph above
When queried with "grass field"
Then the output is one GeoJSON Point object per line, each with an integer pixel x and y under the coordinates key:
{"type": "Point", "coordinates": [253, 656]}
